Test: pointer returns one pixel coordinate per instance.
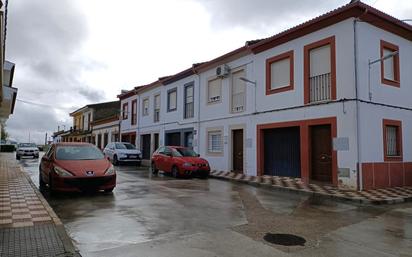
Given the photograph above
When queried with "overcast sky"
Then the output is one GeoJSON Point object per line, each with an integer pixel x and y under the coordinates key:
{"type": "Point", "coordinates": [69, 53]}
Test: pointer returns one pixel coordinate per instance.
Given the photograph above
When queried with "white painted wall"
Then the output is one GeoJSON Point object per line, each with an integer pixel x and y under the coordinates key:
{"type": "Point", "coordinates": [126, 125]}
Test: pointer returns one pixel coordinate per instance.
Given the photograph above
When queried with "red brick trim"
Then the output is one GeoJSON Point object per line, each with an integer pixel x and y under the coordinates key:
{"type": "Point", "coordinates": [398, 124]}
{"type": "Point", "coordinates": [304, 126]}
{"type": "Point", "coordinates": [306, 66]}
{"type": "Point", "coordinates": [287, 55]}
{"type": "Point", "coordinates": [396, 68]}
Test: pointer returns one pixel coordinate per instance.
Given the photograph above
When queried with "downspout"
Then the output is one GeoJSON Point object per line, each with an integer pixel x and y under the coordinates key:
{"type": "Point", "coordinates": [355, 45]}
{"type": "Point", "coordinates": [138, 119]}
{"type": "Point", "coordinates": [198, 110]}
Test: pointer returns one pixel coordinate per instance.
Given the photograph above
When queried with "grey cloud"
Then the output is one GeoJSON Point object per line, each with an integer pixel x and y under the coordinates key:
{"type": "Point", "coordinates": [261, 14]}
{"type": "Point", "coordinates": [44, 38]}
{"type": "Point", "coordinates": [91, 94]}
{"type": "Point", "coordinates": [35, 120]}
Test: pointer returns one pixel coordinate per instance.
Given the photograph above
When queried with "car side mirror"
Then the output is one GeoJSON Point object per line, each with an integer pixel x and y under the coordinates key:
{"type": "Point", "coordinates": [198, 155]}
{"type": "Point", "coordinates": [169, 154]}
{"type": "Point", "coordinates": [45, 158]}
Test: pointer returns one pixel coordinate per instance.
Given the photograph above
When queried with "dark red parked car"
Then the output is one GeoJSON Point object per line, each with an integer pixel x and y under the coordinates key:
{"type": "Point", "coordinates": [74, 167]}
{"type": "Point", "coordinates": [179, 161]}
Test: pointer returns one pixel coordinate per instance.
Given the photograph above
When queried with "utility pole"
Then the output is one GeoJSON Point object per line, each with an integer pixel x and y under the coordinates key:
{"type": "Point", "coordinates": [45, 139]}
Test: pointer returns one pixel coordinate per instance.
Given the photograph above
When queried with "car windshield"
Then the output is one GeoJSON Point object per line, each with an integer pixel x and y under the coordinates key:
{"type": "Point", "coordinates": [78, 153]}
{"type": "Point", "coordinates": [185, 152]}
{"type": "Point", "coordinates": [27, 145]}
{"type": "Point", "coordinates": [125, 146]}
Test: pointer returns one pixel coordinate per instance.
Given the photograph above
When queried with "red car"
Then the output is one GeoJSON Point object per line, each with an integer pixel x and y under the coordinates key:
{"type": "Point", "coordinates": [73, 167]}
{"type": "Point", "coordinates": [179, 161]}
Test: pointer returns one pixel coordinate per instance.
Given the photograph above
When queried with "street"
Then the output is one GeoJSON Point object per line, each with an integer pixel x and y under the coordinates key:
{"type": "Point", "coordinates": [160, 216]}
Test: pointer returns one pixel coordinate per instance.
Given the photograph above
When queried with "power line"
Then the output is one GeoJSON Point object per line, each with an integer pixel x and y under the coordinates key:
{"type": "Point", "coordinates": [43, 105]}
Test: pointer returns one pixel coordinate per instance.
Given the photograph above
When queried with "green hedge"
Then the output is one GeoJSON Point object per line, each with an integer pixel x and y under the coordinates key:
{"type": "Point", "coordinates": [7, 148]}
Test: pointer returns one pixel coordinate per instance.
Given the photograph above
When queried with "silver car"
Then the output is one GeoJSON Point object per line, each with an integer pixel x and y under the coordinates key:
{"type": "Point", "coordinates": [27, 149]}
{"type": "Point", "coordinates": [121, 152]}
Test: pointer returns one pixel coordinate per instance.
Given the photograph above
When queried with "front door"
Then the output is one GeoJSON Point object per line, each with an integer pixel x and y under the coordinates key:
{"type": "Point", "coordinates": [237, 136]}
{"type": "Point", "coordinates": [145, 147]}
{"type": "Point", "coordinates": [173, 139]}
{"type": "Point", "coordinates": [321, 153]}
{"type": "Point", "coordinates": [189, 139]}
{"type": "Point", "coordinates": [156, 141]}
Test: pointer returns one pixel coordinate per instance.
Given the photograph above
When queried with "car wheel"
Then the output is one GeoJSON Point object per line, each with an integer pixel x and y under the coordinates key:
{"type": "Point", "coordinates": [155, 170]}
{"type": "Point", "coordinates": [17, 157]}
{"type": "Point", "coordinates": [51, 189]}
{"type": "Point", "coordinates": [115, 161]}
{"type": "Point", "coordinates": [109, 190]}
{"type": "Point", "coordinates": [139, 163]}
{"type": "Point", "coordinates": [204, 176]}
{"type": "Point", "coordinates": [175, 172]}
{"type": "Point", "coordinates": [36, 157]}
{"type": "Point", "coordinates": [42, 184]}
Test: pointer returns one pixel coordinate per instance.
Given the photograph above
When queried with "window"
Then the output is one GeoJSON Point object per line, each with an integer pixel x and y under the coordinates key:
{"type": "Point", "coordinates": [134, 112]}
{"type": "Point", "coordinates": [145, 107]}
{"type": "Point", "coordinates": [392, 140]}
{"type": "Point", "coordinates": [390, 66]}
{"type": "Point", "coordinates": [320, 71]}
{"type": "Point", "coordinates": [89, 120]}
{"type": "Point", "coordinates": [189, 101]}
{"type": "Point", "coordinates": [156, 113]}
{"type": "Point", "coordinates": [125, 110]}
{"type": "Point", "coordinates": [215, 142]}
{"type": "Point", "coordinates": [172, 100]}
{"type": "Point", "coordinates": [214, 90]}
{"type": "Point", "coordinates": [238, 91]}
{"type": "Point", "coordinates": [279, 73]}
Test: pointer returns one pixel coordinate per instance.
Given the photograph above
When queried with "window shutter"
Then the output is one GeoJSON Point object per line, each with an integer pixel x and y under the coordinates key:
{"type": "Point", "coordinates": [388, 65]}
{"type": "Point", "coordinates": [320, 61]}
{"type": "Point", "coordinates": [391, 141]}
{"type": "Point", "coordinates": [280, 73]}
{"type": "Point", "coordinates": [172, 100]}
{"type": "Point", "coordinates": [214, 89]}
{"type": "Point", "coordinates": [157, 102]}
{"type": "Point", "coordinates": [215, 142]}
{"type": "Point", "coordinates": [238, 91]}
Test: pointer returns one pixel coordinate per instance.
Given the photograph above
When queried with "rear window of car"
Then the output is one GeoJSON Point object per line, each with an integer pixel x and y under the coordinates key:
{"type": "Point", "coordinates": [125, 146]}
{"type": "Point", "coordinates": [78, 153]}
{"type": "Point", "coordinates": [185, 152]}
{"type": "Point", "coordinates": [27, 145]}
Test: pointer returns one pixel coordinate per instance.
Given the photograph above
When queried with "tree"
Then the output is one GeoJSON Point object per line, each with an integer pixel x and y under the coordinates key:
{"type": "Point", "coordinates": [4, 134]}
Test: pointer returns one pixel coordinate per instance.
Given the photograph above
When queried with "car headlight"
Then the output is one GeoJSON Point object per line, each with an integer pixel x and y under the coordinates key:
{"type": "Point", "coordinates": [187, 164]}
{"type": "Point", "coordinates": [110, 171]}
{"type": "Point", "coordinates": [62, 172]}
{"type": "Point", "coordinates": [122, 155]}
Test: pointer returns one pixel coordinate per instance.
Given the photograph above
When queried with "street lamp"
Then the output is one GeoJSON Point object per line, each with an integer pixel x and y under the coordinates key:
{"type": "Point", "coordinates": [370, 63]}
{"type": "Point", "coordinates": [248, 81]}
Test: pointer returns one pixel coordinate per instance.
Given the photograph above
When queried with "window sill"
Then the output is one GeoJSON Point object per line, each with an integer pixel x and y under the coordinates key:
{"type": "Point", "coordinates": [393, 158]}
{"type": "Point", "coordinates": [392, 83]}
{"type": "Point", "coordinates": [270, 91]}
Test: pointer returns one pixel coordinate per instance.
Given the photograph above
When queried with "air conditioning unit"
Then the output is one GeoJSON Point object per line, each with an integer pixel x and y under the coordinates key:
{"type": "Point", "coordinates": [222, 71]}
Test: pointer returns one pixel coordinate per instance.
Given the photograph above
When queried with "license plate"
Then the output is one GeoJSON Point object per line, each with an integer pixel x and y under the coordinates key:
{"type": "Point", "coordinates": [133, 156]}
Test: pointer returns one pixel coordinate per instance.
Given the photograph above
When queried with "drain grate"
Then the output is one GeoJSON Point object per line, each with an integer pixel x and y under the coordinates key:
{"type": "Point", "coordinates": [284, 239]}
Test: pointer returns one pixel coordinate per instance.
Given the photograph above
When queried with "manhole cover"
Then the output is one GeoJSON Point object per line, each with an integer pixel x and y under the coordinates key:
{"type": "Point", "coordinates": [284, 239]}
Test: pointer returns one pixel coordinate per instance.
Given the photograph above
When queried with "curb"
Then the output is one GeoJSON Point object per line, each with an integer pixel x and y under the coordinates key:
{"type": "Point", "coordinates": [68, 245]}
{"type": "Point", "coordinates": [344, 199]}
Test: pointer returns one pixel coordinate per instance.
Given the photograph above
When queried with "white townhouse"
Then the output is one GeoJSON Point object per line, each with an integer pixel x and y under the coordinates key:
{"type": "Point", "coordinates": [327, 101]}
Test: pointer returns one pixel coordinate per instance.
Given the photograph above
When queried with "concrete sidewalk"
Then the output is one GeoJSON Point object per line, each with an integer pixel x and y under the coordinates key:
{"type": "Point", "coordinates": [376, 196]}
{"type": "Point", "coordinates": [28, 225]}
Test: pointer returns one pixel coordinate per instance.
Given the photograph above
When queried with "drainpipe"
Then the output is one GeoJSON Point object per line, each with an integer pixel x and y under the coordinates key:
{"type": "Point", "coordinates": [355, 45]}
{"type": "Point", "coordinates": [198, 111]}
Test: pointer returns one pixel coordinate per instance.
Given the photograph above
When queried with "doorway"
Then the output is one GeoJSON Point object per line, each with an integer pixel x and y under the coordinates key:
{"type": "Point", "coordinates": [145, 146]}
{"type": "Point", "coordinates": [173, 139]}
{"type": "Point", "coordinates": [321, 153]}
{"type": "Point", "coordinates": [237, 150]}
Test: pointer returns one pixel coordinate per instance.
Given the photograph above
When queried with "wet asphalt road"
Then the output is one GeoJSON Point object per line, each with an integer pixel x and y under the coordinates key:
{"type": "Point", "coordinates": [160, 216]}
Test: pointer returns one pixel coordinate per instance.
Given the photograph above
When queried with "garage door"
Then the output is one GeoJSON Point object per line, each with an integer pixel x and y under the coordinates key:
{"type": "Point", "coordinates": [282, 152]}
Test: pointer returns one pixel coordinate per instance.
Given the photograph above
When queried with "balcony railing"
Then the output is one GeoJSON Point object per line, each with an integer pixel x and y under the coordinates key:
{"type": "Point", "coordinates": [320, 88]}
{"type": "Point", "coordinates": [238, 102]}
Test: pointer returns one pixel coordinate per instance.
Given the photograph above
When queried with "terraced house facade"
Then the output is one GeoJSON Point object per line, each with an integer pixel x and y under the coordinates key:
{"type": "Point", "coordinates": [327, 101]}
